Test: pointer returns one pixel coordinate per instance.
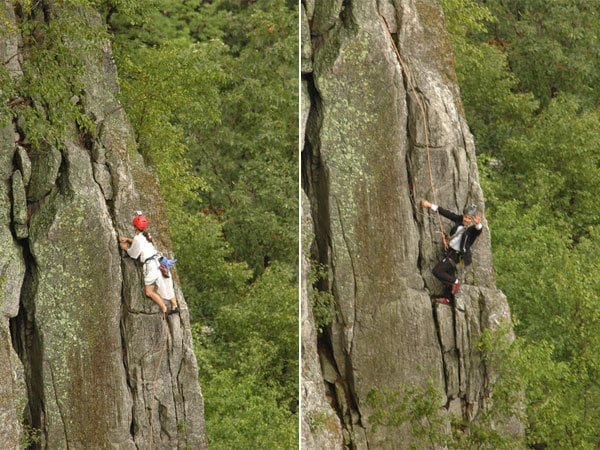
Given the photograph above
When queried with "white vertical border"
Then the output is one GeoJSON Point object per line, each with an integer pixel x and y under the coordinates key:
{"type": "Point", "coordinates": [299, 48]}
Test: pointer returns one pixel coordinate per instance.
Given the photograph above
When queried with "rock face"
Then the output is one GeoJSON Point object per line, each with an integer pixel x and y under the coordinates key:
{"type": "Point", "coordinates": [318, 416]}
{"type": "Point", "coordinates": [87, 360]}
{"type": "Point", "coordinates": [383, 128]}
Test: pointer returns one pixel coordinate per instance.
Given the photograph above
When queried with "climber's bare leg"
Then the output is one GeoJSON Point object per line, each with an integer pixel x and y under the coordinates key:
{"type": "Point", "coordinates": [153, 295]}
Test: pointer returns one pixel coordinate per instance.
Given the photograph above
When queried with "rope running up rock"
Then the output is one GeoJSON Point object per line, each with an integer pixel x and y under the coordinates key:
{"type": "Point", "coordinates": [424, 117]}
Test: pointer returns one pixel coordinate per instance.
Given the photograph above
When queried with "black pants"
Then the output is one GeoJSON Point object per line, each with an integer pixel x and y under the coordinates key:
{"type": "Point", "coordinates": [445, 271]}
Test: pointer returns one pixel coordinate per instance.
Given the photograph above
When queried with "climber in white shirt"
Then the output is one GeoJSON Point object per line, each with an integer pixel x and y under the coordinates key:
{"type": "Point", "coordinates": [462, 236]}
{"type": "Point", "coordinates": [143, 248]}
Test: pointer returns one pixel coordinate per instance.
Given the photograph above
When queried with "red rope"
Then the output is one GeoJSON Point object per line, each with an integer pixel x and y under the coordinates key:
{"type": "Point", "coordinates": [424, 117]}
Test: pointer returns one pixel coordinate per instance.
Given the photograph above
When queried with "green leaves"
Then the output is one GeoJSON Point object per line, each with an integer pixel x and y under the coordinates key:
{"type": "Point", "coordinates": [267, 317]}
{"type": "Point", "coordinates": [495, 109]}
{"type": "Point", "coordinates": [48, 98]}
{"type": "Point", "coordinates": [250, 158]}
{"type": "Point", "coordinates": [259, 421]}
{"type": "Point", "coordinates": [529, 82]}
{"type": "Point", "coordinates": [561, 153]}
{"type": "Point", "coordinates": [208, 276]}
{"type": "Point", "coordinates": [251, 388]}
{"type": "Point", "coordinates": [167, 91]}
{"type": "Point", "coordinates": [560, 36]}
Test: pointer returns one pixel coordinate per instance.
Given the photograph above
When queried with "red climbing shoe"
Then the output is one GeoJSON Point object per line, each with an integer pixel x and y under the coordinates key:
{"type": "Point", "coordinates": [455, 287]}
{"type": "Point", "coordinates": [443, 301]}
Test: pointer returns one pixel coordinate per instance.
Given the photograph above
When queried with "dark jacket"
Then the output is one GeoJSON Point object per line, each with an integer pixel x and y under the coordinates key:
{"type": "Point", "coordinates": [468, 237]}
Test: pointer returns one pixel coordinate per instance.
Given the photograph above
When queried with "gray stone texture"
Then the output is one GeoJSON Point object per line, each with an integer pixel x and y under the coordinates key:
{"type": "Point", "coordinates": [318, 414]}
{"type": "Point", "coordinates": [367, 154]}
{"type": "Point", "coordinates": [97, 367]}
{"type": "Point", "coordinates": [12, 271]}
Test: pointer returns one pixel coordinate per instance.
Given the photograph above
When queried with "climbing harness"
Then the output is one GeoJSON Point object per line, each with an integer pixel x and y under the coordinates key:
{"type": "Point", "coordinates": [156, 256]}
{"type": "Point", "coordinates": [424, 116]}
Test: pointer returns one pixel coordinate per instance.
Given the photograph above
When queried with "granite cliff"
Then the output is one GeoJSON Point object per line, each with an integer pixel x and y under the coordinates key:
{"type": "Point", "coordinates": [383, 128]}
{"type": "Point", "coordinates": [87, 361]}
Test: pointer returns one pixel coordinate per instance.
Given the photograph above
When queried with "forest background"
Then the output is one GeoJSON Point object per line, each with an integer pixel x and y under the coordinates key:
{"type": "Point", "coordinates": [529, 74]}
{"type": "Point", "coordinates": [211, 89]}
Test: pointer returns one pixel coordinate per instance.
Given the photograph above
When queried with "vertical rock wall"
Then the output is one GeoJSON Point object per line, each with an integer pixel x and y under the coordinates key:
{"type": "Point", "coordinates": [13, 399]}
{"type": "Point", "coordinates": [97, 367]}
{"type": "Point", "coordinates": [367, 157]}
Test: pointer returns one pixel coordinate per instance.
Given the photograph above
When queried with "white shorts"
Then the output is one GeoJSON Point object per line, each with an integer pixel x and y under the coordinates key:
{"type": "Point", "coordinates": [153, 275]}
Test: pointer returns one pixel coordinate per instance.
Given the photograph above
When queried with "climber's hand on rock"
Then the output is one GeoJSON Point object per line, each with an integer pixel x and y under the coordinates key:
{"type": "Point", "coordinates": [477, 218]}
{"type": "Point", "coordinates": [425, 204]}
{"type": "Point", "coordinates": [122, 239]}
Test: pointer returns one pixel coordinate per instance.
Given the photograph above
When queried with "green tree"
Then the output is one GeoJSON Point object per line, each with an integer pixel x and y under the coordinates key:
{"type": "Point", "coordinates": [561, 37]}
{"type": "Point", "coordinates": [251, 157]}
{"type": "Point", "coordinates": [208, 276]}
{"type": "Point", "coordinates": [48, 98]}
{"type": "Point", "coordinates": [496, 111]}
{"type": "Point", "coordinates": [250, 362]}
{"type": "Point", "coordinates": [538, 153]}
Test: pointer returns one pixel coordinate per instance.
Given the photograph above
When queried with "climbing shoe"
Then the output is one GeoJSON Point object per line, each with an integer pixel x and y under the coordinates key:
{"type": "Point", "coordinates": [455, 287]}
{"type": "Point", "coordinates": [443, 301]}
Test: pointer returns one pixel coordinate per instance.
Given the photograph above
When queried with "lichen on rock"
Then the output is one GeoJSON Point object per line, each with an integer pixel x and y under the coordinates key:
{"type": "Point", "coordinates": [94, 355]}
{"type": "Point", "coordinates": [384, 130]}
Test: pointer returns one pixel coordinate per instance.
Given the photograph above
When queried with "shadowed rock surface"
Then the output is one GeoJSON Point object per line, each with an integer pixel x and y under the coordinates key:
{"type": "Point", "coordinates": [86, 358]}
{"type": "Point", "coordinates": [366, 162]}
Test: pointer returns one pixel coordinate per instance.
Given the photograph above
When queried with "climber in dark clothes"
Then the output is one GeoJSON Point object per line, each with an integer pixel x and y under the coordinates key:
{"type": "Point", "coordinates": [462, 236]}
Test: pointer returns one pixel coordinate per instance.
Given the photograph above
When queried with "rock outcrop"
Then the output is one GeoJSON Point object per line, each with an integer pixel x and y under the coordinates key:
{"type": "Point", "coordinates": [384, 128]}
{"type": "Point", "coordinates": [87, 360]}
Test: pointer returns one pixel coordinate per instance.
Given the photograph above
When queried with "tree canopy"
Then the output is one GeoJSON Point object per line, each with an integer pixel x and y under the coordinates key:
{"type": "Point", "coordinates": [528, 76]}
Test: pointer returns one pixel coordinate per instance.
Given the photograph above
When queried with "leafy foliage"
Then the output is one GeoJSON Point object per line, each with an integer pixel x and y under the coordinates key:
{"type": "Point", "coordinates": [47, 96]}
{"type": "Point", "coordinates": [321, 299]}
{"type": "Point", "coordinates": [528, 76]}
{"type": "Point", "coordinates": [494, 109]}
{"type": "Point", "coordinates": [560, 36]}
{"type": "Point", "coordinates": [252, 363]}
{"type": "Point", "coordinates": [210, 280]}
{"type": "Point", "coordinates": [166, 90]}
{"type": "Point", "coordinates": [251, 157]}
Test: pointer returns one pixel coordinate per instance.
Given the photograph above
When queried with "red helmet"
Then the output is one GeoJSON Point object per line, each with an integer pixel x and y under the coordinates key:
{"type": "Point", "coordinates": [140, 222]}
